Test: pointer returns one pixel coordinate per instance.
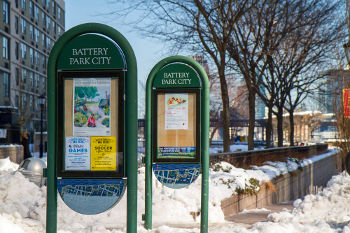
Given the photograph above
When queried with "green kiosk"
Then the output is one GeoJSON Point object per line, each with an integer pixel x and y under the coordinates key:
{"type": "Point", "coordinates": [92, 115]}
{"type": "Point", "coordinates": [177, 129]}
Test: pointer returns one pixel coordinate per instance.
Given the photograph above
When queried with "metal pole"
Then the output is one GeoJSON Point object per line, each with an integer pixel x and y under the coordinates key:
{"type": "Point", "coordinates": [41, 129]}
{"type": "Point", "coordinates": [148, 164]}
{"type": "Point", "coordinates": [205, 156]}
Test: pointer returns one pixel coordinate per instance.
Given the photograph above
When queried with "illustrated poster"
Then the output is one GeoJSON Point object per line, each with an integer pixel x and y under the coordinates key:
{"type": "Point", "coordinates": [77, 153]}
{"type": "Point", "coordinates": [91, 107]}
{"type": "Point", "coordinates": [103, 153]}
{"type": "Point", "coordinates": [176, 111]}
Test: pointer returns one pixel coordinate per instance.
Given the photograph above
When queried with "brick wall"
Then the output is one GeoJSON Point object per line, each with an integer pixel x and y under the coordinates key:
{"type": "Point", "coordinates": [15, 152]}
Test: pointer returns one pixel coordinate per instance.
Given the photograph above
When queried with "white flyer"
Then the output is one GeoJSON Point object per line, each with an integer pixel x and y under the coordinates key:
{"type": "Point", "coordinates": [176, 111]}
{"type": "Point", "coordinates": [77, 153]}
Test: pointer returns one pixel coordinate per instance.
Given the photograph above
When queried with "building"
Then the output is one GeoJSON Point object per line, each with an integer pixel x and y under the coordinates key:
{"type": "Point", "coordinates": [28, 30]}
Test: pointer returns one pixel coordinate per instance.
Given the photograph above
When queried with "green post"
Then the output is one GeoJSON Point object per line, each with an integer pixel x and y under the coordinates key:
{"type": "Point", "coordinates": [205, 153]}
{"type": "Point", "coordinates": [204, 138]}
{"type": "Point", "coordinates": [148, 164]}
{"type": "Point", "coordinates": [130, 116]}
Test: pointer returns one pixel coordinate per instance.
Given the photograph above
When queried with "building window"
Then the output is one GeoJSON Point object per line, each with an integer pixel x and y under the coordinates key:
{"type": "Point", "coordinates": [43, 82]}
{"type": "Point", "coordinates": [24, 100]}
{"type": "Point", "coordinates": [36, 57]}
{"type": "Point", "coordinates": [31, 55]}
{"type": "Point", "coordinates": [36, 35]}
{"type": "Point", "coordinates": [5, 49]}
{"type": "Point", "coordinates": [59, 13]}
{"type": "Point", "coordinates": [17, 76]}
{"type": "Point", "coordinates": [31, 31]}
{"type": "Point", "coordinates": [54, 27]}
{"type": "Point", "coordinates": [48, 22]}
{"type": "Point", "coordinates": [5, 11]}
{"type": "Point", "coordinates": [48, 4]}
{"type": "Point", "coordinates": [6, 85]}
{"type": "Point", "coordinates": [36, 77]}
{"type": "Point", "coordinates": [53, 8]}
{"type": "Point", "coordinates": [31, 8]}
{"type": "Point", "coordinates": [23, 51]}
{"type": "Point", "coordinates": [59, 30]}
{"type": "Point", "coordinates": [44, 40]}
{"type": "Point", "coordinates": [24, 76]}
{"type": "Point", "coordinates": [17, 50]}
{"type": "Point", "coordinates": [16, 24]}
{"type": "Point", "coordinates": [36, 13]}
{"type": "Point", "coordinates": [31, 78]}
{"type": "Point", "coordinates": [23, 4]}
{"type": "Point", "coordinates": [48, 42]}
{"type": "Point", "coordinates": [17, 101]}
{"type": "Point", "coordinates": [23, 26]}
{"type": "Point", "coordinates": [43, 16]}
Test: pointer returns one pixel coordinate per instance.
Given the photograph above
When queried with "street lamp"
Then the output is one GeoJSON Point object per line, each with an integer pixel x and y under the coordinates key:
{"type": "Point", "coordinates": [41, 101]}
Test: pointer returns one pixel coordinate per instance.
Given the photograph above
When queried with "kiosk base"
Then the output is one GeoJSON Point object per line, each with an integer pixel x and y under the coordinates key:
{"type": "Point", "coordinates": [176, 175]}
{"type": "Point", "coordinates": [91, 196]}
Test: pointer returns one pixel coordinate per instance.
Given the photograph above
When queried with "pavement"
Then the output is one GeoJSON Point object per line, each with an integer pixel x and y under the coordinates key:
{"type": "Point", "coordinates": [248, 218]}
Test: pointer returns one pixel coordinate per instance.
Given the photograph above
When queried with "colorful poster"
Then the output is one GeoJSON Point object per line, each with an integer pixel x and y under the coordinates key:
{"type": "Point", "coordinates": [177, 152]}
{"type": "Point", "coordinates": [176, 111]}
{"type": "Point", "coordinates": [346, 100]}
{"type": "Point", "coordinates": [103, 153]}
{"type": "Point", "coordinates": [91, 107]}
{"type": "Point", "coordinates": [77, 153]}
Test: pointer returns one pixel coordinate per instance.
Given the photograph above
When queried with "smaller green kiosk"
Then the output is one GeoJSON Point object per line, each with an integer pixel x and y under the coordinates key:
{"type": "Point", "coordinates": [177, 129]}
{"type": "Point", "coordinates": [92, 114]}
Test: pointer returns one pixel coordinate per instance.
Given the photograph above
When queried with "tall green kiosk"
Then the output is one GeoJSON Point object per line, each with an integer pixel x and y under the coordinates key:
{"type": "Point", "coordinates": [177, 129]}
{"type": "Point", "coordinates": [92, 117]}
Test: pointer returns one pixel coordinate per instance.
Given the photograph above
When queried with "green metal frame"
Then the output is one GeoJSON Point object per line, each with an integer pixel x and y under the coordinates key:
{"type": "Point", "coordinates": [130, 116]}
{"type": "Point", "coordinates": [204, 132]}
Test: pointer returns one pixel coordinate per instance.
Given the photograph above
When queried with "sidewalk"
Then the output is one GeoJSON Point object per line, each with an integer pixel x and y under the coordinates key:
{"type": "Point", "coordinates": [259, 215]}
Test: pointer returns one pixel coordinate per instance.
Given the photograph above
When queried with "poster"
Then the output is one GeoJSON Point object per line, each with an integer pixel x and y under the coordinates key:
{"type": "Point", "coordinates": [176, 111]}
{"type": "Point", "coordinates": [103, 154]}
{"type": "Point", "coordinates": [77, 153]}
{"type": "Point", "coordinates": [346, 100]}
{"type": "Point", "coordinates": [91, 107]}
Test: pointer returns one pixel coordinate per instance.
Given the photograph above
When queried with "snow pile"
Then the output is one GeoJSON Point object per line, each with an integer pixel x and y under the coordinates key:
{"type": "Point", "coordinates": [7, 166]}
{"type": "Point", "coordinates": [327, 211]}
{"type": "Point", "coordinates": [226, 179]}
{"type": "Point", "coordinates": [23, 205]}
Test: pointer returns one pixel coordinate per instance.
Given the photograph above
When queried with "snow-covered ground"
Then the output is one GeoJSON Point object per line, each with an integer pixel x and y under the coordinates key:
{"type": "Point", "coordinates": [22, 205]}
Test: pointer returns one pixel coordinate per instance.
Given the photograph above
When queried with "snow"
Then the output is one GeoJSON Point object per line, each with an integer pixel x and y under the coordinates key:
{"type": "Point", "coordinates": [23, 205]}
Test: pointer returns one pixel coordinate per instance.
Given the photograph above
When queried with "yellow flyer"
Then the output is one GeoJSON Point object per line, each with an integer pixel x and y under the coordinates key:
{"type": "Point", "coordinates": [103, 154]}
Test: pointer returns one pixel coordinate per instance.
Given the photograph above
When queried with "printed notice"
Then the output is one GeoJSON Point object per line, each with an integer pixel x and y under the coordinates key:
{"type": "Point", "coordinates": [176, 152]}
{"type": "Point", "coordinates": [103, 154]}
{"type": "Point", "coordinates": [91, 107]}
{"type": "Point", "coordinates": [176, 111]}
{"type": "Point", "coordinates": [77, 153]}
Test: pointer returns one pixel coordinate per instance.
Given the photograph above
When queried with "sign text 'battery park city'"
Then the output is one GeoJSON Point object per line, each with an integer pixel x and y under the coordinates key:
{"type": "Point", "coordinates": [90, 56]}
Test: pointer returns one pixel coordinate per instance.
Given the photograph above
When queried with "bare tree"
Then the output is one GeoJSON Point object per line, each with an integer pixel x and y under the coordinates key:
{"type": "Point", "coordinates": [200, 25]}
{"type": "Point", "coordinates": [277, 43]}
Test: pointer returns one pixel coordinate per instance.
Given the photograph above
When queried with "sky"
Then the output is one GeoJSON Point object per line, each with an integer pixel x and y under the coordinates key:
{"type": "Point", "coordinates": [148, 52]}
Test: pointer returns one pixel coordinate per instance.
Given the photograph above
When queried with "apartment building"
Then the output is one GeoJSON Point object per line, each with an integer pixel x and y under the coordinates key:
{"type": "Point", "coordinates": [28, 30]}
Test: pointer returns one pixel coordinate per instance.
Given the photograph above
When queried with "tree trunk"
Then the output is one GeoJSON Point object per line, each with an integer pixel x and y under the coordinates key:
{"type": "Point", "coordinates": [280, 127]}
{"type": "Point", "coordinates": [291, 125]}
{"type": "Point", "coordinates": [225, 110]}
{"type": "Point", "coordinates": [269, 127]}
{"type": "Point", "coordinates": [251, 98]}
{"type": "Point", "coordinates": [213, 133]}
